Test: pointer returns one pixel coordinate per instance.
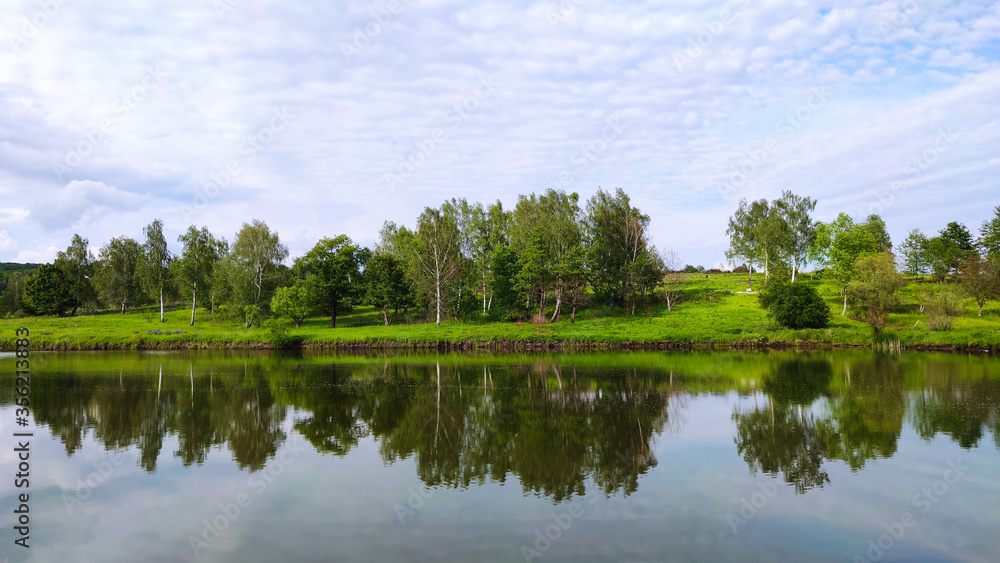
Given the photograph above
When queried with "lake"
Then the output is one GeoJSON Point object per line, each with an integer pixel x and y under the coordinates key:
{"type": "Point", "coordinates": [244, 456]}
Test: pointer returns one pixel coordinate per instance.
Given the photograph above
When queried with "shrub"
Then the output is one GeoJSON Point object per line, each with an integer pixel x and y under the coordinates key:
{"type": "Point", "coordinates": [277, 334]}
{"type": "Point", "coordinates": [252, 316]}
{"type": "Point", "coordinates": [795, 305]}
{"type": "Point", "coordinates": [941, 307]}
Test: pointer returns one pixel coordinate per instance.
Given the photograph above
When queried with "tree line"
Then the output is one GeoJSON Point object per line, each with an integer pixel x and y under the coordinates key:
{"type": "Point", "coordinates": [858, 257]}
{"type": "Point", "coordinates": [461, 260]}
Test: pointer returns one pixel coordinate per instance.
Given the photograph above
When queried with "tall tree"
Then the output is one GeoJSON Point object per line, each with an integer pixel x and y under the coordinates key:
{"type": "Point", "coordinates": [989, 236]}
{"type": "Point", "coordinates": [77, 265]}
{"type": "Point", "coordinates": [154, 267]}
{"type": "Point", "coordinates": [617, 237]}
{"type": "Point", "coordinates": [980, 279]}
{"type": "Point", "coordinates": [535, 275]}
{"type": "Point", "coordinates": [801, 230]}
{"type": "Point", "coordinates": [117, 274]}
{"type": "Point", "coordinates": [840, 244]}
{"type": "Point", "coordinates": [876, 288]}
{"type": "Point", "coordinates": [913, 251]}
{"type": "Point", "coordinates": [386, 286]}
{"type": "Point", "coordinates": [436, 254]}
{"type": "Point", "coordinates": [876, 226]}
{"type": "Point", "coordinates": [253, 267]}
{"type": "Point", "coordinates": [292, 302]}
{"type": "Point", "coordinates": [953, 245]}
{"type": "Point", "coordinates": [332, 272]}
{"type": "Point", "coordinates": [48, 291]}
{"type": "Point", "coordinates": [196, 266]}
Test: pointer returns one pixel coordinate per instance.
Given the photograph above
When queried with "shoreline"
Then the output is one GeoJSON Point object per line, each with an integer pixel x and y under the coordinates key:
{"type": "Point", "coordinates": [507, 346]}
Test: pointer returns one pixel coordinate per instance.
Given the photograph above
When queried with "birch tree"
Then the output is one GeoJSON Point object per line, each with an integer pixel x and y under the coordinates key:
{"type": "Point", "coordinates": [195, 267]}
{"type": "Point", "coordinates": [155, 265]}
{"type": "Point", "coordinates": [436, 253]}
{"type": "Point", "coordinates": [801, 231]}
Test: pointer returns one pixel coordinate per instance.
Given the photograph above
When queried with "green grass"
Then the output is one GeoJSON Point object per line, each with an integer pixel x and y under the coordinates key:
{"type": "Point", "coordinates": [707, 314]}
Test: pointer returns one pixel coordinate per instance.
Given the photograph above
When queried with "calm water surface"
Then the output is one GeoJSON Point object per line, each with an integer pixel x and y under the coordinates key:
{"type": "Point", "coordinates": [846, 456]}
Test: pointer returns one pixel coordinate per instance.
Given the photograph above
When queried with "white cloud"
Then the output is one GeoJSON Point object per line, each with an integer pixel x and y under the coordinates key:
{"type": "Point", "coordinates": [357, 118]}
{"type": "Point", "coordinates": [82, 203]}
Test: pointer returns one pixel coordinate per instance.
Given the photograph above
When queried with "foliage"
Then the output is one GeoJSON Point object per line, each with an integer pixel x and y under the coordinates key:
{"type": "Point", "coordinates": [801, 230]}
{"type": "Point", "coordinates": [941, 306]}
{"type": "Point", "coordinates": [13, 300]}
{"type": "Point", "coordinates": [292, 302]}
{"type": "Point", "coordinates": [194, 269]}
{"type": "Point", "coordinates": [795, 305]}
{"type": "Point", "coordinates": [875, 292]}
{"type": "Point", "coordinates": [617, 237]}
{"type": "Point", "coordinates": [842, 243]}
{"type": "Point", "coordinates": [980, 279]}
{"type": "Point", "coordinates": [386, 286]}
{"type": "Point", "coordinates": [252, 269]}
{"type": "Point", "coordinates": [436, 255]}
{"type": "Point", "coordinates": [252, 316]}
{"type": "Point", "coordinates": [913, 252]}
{"type": "Point", "coordinates": [946, 251]}
{"type": "Point", "coordinates": [332, 273]}
{"type": "Point", "coordinates": [117, 278]}
{"type": "Point", "coordinates": [278, 336]}
{"type": "Point", "coordinates": [989, 236]}
{"type": "Point", "coordinates": [49, 292]}
{"type": "Point", "coordinates": [507, 298]}
{"type": "Point", "coordinates": [154, 267]}
{"type": "Point", "coordinates": [77, 265]}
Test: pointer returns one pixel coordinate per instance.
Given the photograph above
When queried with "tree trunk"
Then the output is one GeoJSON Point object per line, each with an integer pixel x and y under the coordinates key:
{"type": "Point", "coordinates": [123, 306]}
{"type": "Point", "coordinates": [437, 297]}
{"type": "Point", "coordinates": [541, 304]}
{"type": "Point", "coordinates": [844, 312]}
{"type": "Point", "coordinates": [555, 315]}
{"type": "Point", "coordinates": [161, 304]}
{"type": "Point", "coordinates": [981, 309]}
{"type": "Point", "coordinates": [484, 293]}
{"type": "Point", "coordinates": [333, 318]}
{"type": "Point", "coordinates": [385, 315]}
{"type": "Point", "coordinates": [572, 319]}
{"type": "Point", "coordinates": [794, 267]}
{"type": "Point", "coordinates": [194, 299]}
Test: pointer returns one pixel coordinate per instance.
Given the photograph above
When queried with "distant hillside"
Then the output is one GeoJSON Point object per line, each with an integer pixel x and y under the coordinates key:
{"type": "Point", "coordinates": [8, 269]}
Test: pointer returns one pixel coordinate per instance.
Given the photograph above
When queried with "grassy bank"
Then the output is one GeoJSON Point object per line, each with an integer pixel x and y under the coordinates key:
{"type": "Point", "coordinates": [708, 315]}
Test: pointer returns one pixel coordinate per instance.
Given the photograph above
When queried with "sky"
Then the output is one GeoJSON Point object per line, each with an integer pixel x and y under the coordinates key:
{"type": "Point", "coordinates": [322, 118]}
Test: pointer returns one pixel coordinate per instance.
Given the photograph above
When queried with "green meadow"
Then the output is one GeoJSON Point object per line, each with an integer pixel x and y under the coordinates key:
{"type": "Point", "coordinates": [714, 310]}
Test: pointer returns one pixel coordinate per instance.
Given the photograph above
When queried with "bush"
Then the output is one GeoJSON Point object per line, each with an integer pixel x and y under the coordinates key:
{"type": "Point", "coordinates": [942, 305]}
{"type": "Point", "coordinates": [252, 316]}
{"type": "Point", "coordinates": [795, 305]}
{"type": "Point", "coordinates": [277, 334]}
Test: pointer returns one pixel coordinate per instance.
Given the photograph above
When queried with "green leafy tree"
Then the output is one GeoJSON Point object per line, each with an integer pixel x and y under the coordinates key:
{"type": "Point", "coordinates": [840, 244]}
{"type": "Point", "coordinates": [913, 252]}
{"type": "Point", "coordinates": [49, 292]}
{"type": "Point", "coordinates": [795, 305]}
{"type": "Point", "coordinates": [801, 230]}
{"type": "Point", "coordinates": [760, 234]}
{"type": "Point", "coordinates": [506, 295]}
{"type": "Point", "coordinates": [386, 286]}
{"type": "Point", "coordinates": [436, 255]}
{"type": "Point", "coordinates": [572, 271]}
{"type": "Point", "coordinates": [292, 303]}
{"type": "Point", "coordinates": [117, 278]}
{"type": "Point", "coordinates": [154, 268]}
{"type": "Point", "coordinates": [195, 268]}
{"type": "Point", "coordinates": [980, 279]}
{"type": "Point", "coordinates": [947, 250]}
{"type": "Point", "coordinates": [535, 277]}
{"type": "Point", "coordinates": [617, 236]}
{"type": "Point", "coordinates": [332, 273]}
{"type": "Point", "coordinates": [12, 299]}
{"type": "Point", "coordinates": [989, 236]}
{"type": "Point", "coordinates": [77, 265]}
{"type": "Point", "coordinates": [875, 290]}
{"type": "Point", "coordinates": [252, 269]}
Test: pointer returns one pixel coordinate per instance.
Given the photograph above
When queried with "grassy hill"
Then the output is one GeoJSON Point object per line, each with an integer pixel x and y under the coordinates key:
{"type": "Point", "coordinates": [714, 309]}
